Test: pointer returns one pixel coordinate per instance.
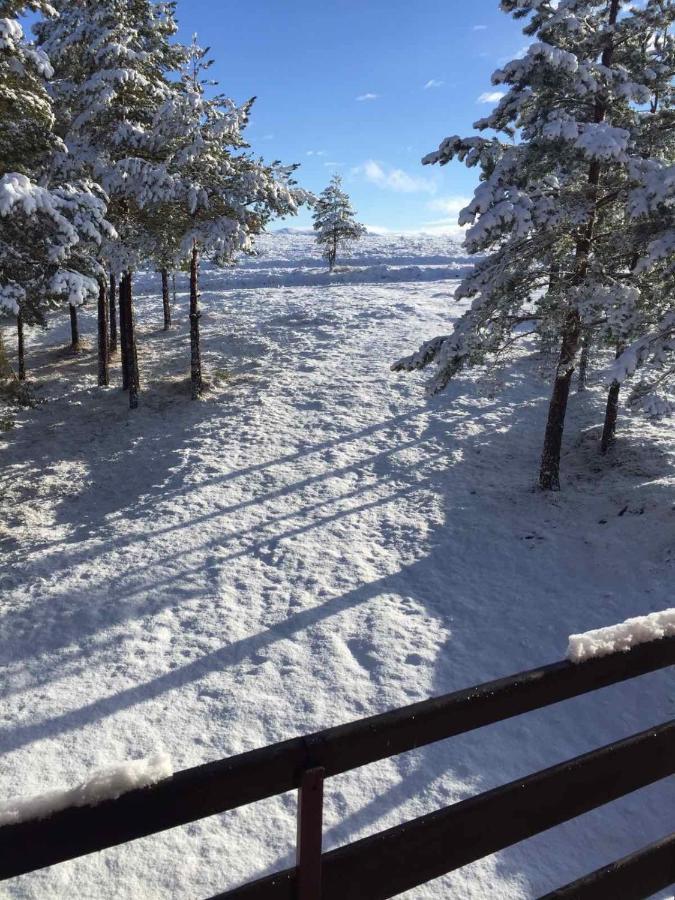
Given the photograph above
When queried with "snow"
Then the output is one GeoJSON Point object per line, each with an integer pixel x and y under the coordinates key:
{"type": "Point", "coordinates": [618, 638]}
{"type": "Point", "coordinates": [106, 784]}
{"type": "Point", "coordinates": [312, 543]}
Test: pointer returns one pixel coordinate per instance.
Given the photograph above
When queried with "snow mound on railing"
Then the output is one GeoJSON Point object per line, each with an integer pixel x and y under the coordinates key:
{"type": "Point", "coordinates": [618, 638]}
{"type": "Point", "coordinates": [106, 784]}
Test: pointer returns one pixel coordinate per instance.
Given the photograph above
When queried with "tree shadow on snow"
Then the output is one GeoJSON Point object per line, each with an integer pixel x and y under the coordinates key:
{"type": "Point", "coordinates": [499, 619]}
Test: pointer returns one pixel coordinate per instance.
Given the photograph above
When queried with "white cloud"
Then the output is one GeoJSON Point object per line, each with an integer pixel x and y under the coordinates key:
{"type": "Point", "coordinates": [368, 96]}
{"type": "Point", "coordinates": [316, 153]}
{"type": "Point", "coordinates": [394, 179]}
{"type": "Point", "coordinates": [451, 206]}
{"type": "Point", "coordinates": [479, 28]}
{"type": "Point", "coordinates": [491, 97]}
{"type": "Point", "coordinates": [433, 83]}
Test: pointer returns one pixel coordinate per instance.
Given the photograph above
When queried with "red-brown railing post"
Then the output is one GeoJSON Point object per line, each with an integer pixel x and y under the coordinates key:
{"type": "Point", "coordinates": [310, 834]}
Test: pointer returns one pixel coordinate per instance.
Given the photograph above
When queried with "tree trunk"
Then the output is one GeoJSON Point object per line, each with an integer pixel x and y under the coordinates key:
{"type": "Point", "coordinates": [112, 315]}
{"type": "Point", "coordinates": [611, 410]}
{"type": "Point", "coordinates": [583, 361]}
{"type": "Point", "coordinates": [195, 315]}
{"type": "Point", "coordinates": [165, 300]}
{"type": "Point", "coordinates": [103, 336]}
{"type": "Point", "coordinates": [6, 370]}
{"type": "Point", "coordinates": [74, 329]}
{"type": "Point", "coordinates": [173, 285]}
{"type": "Point", "coordinates": [132, 351]}
{"type": "Point", "coordinates": [611, 415]}
{"type": "Point", "coordinates": [130, 374]}
{"type": "Point", "coordinates": [21, 350]}
{"type": "Point", "coordinates": [123, 332]}
{"type": "Point", "coordinates": [549, 471]}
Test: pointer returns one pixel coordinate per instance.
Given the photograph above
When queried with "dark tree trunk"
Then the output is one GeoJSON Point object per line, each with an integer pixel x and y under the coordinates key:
{"type": "Point", "coordinates": [582, 378]}
{"type": "Point", "coordinates": [123, 332]}
{"type": "Point", "coordinates": [611, 415]}
{"type": "Point", "coordinates": [113, 314]}
{"type": "Point", "coordinates": [130, 375]}
{"type": "Point", "coordinates": [195, 315]}
{"type": "Point", "coordinates": [21, 349]}
{"type": "Point", "coordinates": [103, 335]}
{"type": "Point", "coordinates": [611, 410]}
{"type": "Point", "coordinates": [134, 379]}
{"type": "Point", "coordinates": [173, 285]}
{"type": "Point", "coordinates": [166, 303]}
{"type": "Point", "coordinates": [74, 329]}
{"type": "Point", "coordinates": [6, 371]}
{"type": "Point", "coordinates": [549, 472]}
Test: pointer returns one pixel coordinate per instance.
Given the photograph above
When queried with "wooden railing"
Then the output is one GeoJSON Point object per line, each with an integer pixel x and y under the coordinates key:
{"type": "Point", "coordinates": [393, 861]}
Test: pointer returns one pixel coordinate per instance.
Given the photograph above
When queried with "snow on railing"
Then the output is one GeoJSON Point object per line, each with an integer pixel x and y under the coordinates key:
{"type": "Point", "coordinates": [618, 638]}
{"type": "Point", "coordinates": [106, 784]}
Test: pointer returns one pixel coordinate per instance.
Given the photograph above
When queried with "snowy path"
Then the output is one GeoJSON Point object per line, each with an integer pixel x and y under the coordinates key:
{"type": "Point", "coordinates": [312, 543]}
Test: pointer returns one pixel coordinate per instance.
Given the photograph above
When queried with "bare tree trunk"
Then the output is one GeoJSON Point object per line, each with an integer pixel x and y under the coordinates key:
{"type": "Point", "coordinates": [166, 303]}
{"type": "Point", "coordinates": [21, 348]}
{"type": "Point", "coordinates": [195, 315]}
{"type": "Point", "coordinates": [611, 415]}
{"type": "Point", "coordinates": [134, 377]}
{"type": "Point", "coordinates": [130, 374]}
{"type": "Point", "coordinates": [549, 471]}
{"type": "Point", "coordinates": [6, 370]}
{"type": "Point", "coordinates": [103, 335]}
{"type": "Point", "coordinates": [611, 411]}
{"type": "Point", "coordinates": [112, 314]}
{"type": "Point", "coordinates": [123, 332]}
{"type": "Point", "coordinates": [74, 329]}
{"type": "Point", "coordinates": [582, 377]}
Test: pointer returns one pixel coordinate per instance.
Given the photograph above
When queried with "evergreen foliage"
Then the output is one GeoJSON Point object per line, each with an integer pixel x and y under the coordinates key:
{"type": "Point", "coordinates": [565, 220]}
{"type": "Point", "coordinates": [335, 221]}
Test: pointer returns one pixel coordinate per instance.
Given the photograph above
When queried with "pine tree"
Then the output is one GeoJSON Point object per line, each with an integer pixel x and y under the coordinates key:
{"type": "Point", "coordinates": [651, 228]}
{"type": "Point", "coordinates": [217, 197]}
{"type": "Point", "coordinates": [50, 229]}
{"type": "Point", "coordinates": [335, 221]}
{"type": "Point", "coordinates": [545, 214]}
{"type": "Point", "coordinates": [112, 59]}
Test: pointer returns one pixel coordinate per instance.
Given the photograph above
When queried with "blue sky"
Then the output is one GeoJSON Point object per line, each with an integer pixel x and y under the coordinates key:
{"type": "Point", "coordinates": [308, 62]}
{"type": "Point", "coordinates": [361, 87]}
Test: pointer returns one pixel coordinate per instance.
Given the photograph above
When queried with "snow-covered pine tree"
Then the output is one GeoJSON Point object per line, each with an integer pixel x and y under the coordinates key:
{"type": "Point", "coordinates": [112, 59]}
{"type": "Point", "coordinates": [642, 333]}
{"type": "Point", "coordinates": [218, 196]}
{"type": "Point", "coordinates": [335, 221]}
{"type": "Point", "coordinates": [652, 348]}
{"type": "Point", "coordinates": [49, 230]}
{"type": "Point", "coordinates": [542, 217]}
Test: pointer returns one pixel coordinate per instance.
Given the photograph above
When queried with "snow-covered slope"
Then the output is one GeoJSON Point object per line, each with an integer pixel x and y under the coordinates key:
{"type": "Point", "coordinates": [312, 543]}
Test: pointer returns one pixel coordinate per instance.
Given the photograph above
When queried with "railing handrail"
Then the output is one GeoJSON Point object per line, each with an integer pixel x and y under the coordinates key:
{"type": "Point", "coordinates": [216, 787]}
{"type": "Point", "coordinates": [378, 866]}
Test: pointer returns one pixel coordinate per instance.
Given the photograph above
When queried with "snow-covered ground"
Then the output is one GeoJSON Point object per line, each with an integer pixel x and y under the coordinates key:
{"type": "Point", "coordinates": [312, 543]}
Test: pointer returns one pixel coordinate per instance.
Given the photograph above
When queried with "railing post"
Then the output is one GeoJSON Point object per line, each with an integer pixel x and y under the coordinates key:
{"type": "Point", "coordinates": [310, 834]}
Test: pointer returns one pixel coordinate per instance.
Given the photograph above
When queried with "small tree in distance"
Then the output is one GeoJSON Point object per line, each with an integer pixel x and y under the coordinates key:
{"type": "Point", "coordinates": [335, 221]}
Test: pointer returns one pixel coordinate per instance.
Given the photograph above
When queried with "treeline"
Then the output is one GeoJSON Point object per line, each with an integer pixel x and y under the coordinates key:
{"type": "Point", "coordinates": [574, 216]}
{"type": "Point", "coordinates": [116, 151]}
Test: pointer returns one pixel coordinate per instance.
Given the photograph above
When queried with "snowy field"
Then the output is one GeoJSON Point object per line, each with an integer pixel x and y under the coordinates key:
{"type": "Point", "coordinates": [312, 543]}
